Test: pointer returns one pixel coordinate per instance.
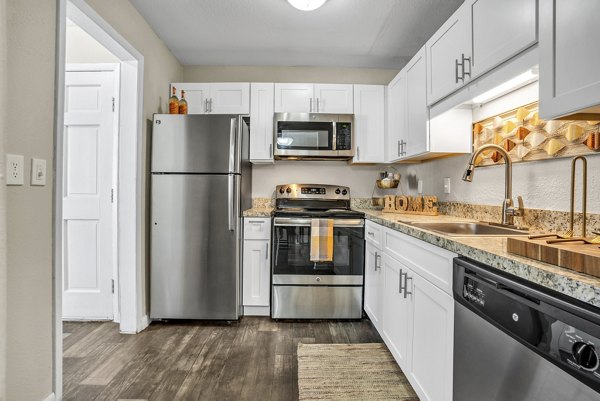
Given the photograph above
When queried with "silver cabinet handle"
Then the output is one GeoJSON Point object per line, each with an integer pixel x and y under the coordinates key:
{"type": "Point", "coordinates": [210, 108]}
{"type": "Point", "coordinates": [406, 292]}
{"type": "Point", "coordinates": [377, 257]}
{"type": "Point", "coordinates": [206, 105]}
{"type": "Point", "coordinates": [267, 251]}
{"type": "Point", "coordinates": [463, 67]}
{"type": "Point", "coordinates": [357, 153]}
{"type": "Point", "coordinates": [456, 63]}
{"type": "Point", "coordinates": [255, 222]}
{"type": "Point", "coordinates": [318, 105]}
{"type": "Point", "coordinates": [311, 102]}
{"type": "Point", "coordinates": [399, 145]}
{"type": "Point", "coordinates": [400, 288]}
{"type": "Point", "coordinates": [369, 233]}
{"type": "Point", "coordinates": [271, 150]}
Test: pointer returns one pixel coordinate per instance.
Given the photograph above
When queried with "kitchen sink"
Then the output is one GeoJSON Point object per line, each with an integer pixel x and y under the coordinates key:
{"type": "Point", "coordinates": [480, 229]}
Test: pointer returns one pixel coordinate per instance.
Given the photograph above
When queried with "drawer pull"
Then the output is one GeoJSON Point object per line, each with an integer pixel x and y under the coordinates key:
{"type": "Point", "coordinates": [255, 222]}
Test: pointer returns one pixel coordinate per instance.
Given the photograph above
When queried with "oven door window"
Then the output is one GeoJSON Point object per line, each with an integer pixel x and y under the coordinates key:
{"type": "Point", "coordinates": [292, 252]}
{"type": "Point", "coordinates": [304, 135]}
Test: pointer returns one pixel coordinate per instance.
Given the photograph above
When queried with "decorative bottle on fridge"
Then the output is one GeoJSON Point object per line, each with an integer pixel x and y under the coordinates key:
{"type": "Point", "coordinates": [183, 106]}
{"type": "Point", "coordinates": [174, 102]}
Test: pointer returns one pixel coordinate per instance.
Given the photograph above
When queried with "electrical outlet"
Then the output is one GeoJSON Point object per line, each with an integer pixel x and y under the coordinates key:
{"type": "Point", "coordinates": [447, 185]}
{"type": "Point", "coordinates": [38, 172]}
{"type": "Point", "coordinates": [420, 187]}
{"type": "Point", "coordinates": [14, 169]}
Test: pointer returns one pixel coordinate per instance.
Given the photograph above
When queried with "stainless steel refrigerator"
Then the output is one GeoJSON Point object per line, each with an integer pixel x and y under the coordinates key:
{"type": "Point", "coordinates": [201, 181]}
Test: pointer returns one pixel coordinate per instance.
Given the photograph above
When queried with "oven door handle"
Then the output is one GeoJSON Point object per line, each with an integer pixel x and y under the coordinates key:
{"type": "Point", "coordinates": [303, 222]}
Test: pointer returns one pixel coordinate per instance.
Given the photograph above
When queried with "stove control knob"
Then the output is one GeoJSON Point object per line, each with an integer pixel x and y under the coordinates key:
{"type": "Point", "coordinates": [585, 356]}
{"type": "Point", "coordinates": [337, 191]}
{"type": "Point", "coordinates": [288, 190]}
{"type": "Point", "coordinates": [281, 190]}
{"type": "Point", "coordinates": [344, 192]}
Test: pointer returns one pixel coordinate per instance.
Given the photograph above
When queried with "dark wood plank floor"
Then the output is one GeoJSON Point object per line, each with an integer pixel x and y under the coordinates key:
{"type": "Point", "coordinates": [253, 359]}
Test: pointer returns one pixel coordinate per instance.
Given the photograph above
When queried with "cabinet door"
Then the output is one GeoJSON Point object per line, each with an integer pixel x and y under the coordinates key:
{"type": "Point", "coordinates": [417, 112]}
{"type": "Point", "coordinates": [333, 99]}
{"type": "Point", "coordinates": [262, 98]}
{"type": "Point", "coordinates": [256, 278]}
{"type": "Point", "coordinates": [369, 123]}
{"type": "Point", "coordinates": [444, 55]}
{"type": "Point", "coordinates": [500, 30]}
{"type": "Point", "coordinates": [294, 98]}
{"type": "Point", "coordinates": [196, 95]}
{"type": "Point", "coordinates": [431, 338]}
{"type": "Point", "coordinates": [395, 319]}
{"type": "Point", "coordinates": [373, 284]}
{"type": "Point", "coordinates": [569, 57]}
{"type": "Point", "coordinates": [396, 117]}
{"type": "Point", "coordinates": [229, 98]}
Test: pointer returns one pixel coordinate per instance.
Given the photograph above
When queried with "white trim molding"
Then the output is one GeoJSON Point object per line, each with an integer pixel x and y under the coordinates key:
{"type": "Point", "coordinates": [51, 397]}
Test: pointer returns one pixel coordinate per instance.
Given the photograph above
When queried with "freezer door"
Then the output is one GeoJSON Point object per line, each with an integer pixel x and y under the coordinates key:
{"type": "Point", "coordinates": [195, 247]}
{"type": "Point", "coordinates": [195, 144]}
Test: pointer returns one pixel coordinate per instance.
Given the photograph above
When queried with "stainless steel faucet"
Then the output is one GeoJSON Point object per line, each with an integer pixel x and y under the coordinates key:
{"type": "Point", "coordinates": [508, 210]}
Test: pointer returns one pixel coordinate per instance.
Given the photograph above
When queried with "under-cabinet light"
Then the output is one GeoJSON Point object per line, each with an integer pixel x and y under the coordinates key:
{"type": "Point", "coordinates": [508, 86]}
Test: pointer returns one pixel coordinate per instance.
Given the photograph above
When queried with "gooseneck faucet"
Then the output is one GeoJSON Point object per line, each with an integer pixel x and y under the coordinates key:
{"type": "Point", "coordinates": [508, 210]}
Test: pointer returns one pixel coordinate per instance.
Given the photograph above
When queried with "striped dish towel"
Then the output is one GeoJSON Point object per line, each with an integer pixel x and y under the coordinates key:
{"type": "Point", "coordinates": [321, 240]}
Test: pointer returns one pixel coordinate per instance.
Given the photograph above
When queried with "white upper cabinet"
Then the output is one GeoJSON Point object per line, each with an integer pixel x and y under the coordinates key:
{"type": "Point", "coordinates": [314, 98]}
{"type": "Point", "coordinates": [216, 98]}
{"type": "Point", "coordinates": [448, 55]}
{"type": "Point", "coordinates": [569, 58]}
{"type": "Point", "coordinates": [500, 30]}
{"type": "Point", "coordinates": [294, 98]}
{"type": "Point", "coordinates": [417, 112]}
{"type": "Point", "coordinates": [396, 117]}
{"type": "Point", "coordinates": [369, 123]}
{"type": "Point", "coordinates": [333, 99]}
{"type": "Point", "coordinates": [262, 98]}
{"type": "Point", "coordinates": [229, 98]}
{"type": "Point", "coordinates": [196, 95]}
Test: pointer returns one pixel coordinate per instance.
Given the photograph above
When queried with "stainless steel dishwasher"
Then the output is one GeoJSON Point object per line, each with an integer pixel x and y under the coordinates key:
{"type": "Point", "coordinates": [517, 341]}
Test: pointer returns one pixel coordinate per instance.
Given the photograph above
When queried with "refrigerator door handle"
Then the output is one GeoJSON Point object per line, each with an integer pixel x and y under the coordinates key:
{"type": "Point", "coordinates": [231, 202]}
{"type": "Point", "coordinates": [239, 139]}
{"type": "Point", "coordinates": [232, 145]}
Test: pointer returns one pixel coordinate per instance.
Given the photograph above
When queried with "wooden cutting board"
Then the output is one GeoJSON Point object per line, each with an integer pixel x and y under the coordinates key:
{"type": "Point", "coordinates": [582, 258]}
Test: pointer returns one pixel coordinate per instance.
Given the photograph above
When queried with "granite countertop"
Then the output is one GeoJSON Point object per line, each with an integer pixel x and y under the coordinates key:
{"type": "Point", "coordinates": [492, 251]}
{"type": "Point", "coordinates": [258, 212]}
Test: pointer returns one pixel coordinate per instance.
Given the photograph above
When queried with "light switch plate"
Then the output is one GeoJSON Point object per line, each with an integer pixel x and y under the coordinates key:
{"type": "Point", "coordinates": [447, 185]}
{"type": "Point", "coordinates": [420, 187]}
{"type": "Point", "coordinates": [38, 172]}
{"type": "Point", "coordinates": [14, 169]}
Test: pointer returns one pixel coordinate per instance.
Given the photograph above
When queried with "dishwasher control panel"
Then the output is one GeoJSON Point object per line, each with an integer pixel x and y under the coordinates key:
{"type": "Point", "coordinates": [580, 350]}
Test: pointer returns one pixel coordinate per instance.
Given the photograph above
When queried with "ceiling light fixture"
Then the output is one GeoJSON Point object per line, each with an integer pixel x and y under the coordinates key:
{"type": "Point", "coordinates": [307, 5]}
{"type": "Point", "coordinates": [508, 86]}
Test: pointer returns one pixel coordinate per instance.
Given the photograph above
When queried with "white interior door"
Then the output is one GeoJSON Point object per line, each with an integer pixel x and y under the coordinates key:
{"type": "Point", "coordinates": [90, 126]}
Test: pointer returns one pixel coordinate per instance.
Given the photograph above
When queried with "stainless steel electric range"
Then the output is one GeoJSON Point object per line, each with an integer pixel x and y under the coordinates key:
{"type": "Point", "coordinates": [302, 289]}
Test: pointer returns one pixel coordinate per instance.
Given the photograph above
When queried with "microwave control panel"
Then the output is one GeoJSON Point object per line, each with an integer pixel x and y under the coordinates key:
{"type": "Point", "coordinates": [343, 136]}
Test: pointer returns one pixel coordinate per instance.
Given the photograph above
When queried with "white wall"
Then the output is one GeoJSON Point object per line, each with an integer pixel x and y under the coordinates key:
{"type": "Point", "coordinates": [80, 47]}
{"type": "Point", "coordinates": [360, 179]}
{"type": "Point", "coordinates": [30, 132]}
{"type": "Point", "coordinates": [542, 184]}
{"type": "Point", "coordinates": [3, 298]}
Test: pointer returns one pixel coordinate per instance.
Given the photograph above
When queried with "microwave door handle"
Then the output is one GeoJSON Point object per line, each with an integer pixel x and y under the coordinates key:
{"type": "Point", "coordinates": [334, 137]}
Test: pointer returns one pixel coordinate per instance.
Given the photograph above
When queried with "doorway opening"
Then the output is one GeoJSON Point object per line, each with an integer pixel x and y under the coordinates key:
{"type": "Point", "coordinates": [98, 177]}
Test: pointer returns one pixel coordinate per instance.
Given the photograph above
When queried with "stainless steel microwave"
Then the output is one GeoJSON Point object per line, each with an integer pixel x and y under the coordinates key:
{"type": "Point", "coordinates": [313, 136]}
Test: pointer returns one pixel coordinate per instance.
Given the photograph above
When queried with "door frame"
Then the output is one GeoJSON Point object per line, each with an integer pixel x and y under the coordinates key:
{"type": "Point", "coordinates": [115, 68]}
{"type": "Point", "coordinates": [130, 173]}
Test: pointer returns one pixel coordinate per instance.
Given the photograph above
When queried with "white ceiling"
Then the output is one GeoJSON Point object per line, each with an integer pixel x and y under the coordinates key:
{"type": "Point", "coordinates": [342, 33]}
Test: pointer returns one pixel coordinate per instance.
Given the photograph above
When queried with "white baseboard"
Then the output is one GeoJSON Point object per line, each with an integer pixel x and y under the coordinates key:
{"type": "Point", "coordinates": [51, 397]}
{"type": "Point", "coordinates": [257, 311]}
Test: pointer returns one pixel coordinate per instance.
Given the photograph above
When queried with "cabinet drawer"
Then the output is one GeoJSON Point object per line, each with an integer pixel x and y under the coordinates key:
{"type": "Point", "coordinates": [430, 261]}
{"type": "Point", "coordinates": [257, 227]}
{"type": "Point", "coordinates": [373, 233]}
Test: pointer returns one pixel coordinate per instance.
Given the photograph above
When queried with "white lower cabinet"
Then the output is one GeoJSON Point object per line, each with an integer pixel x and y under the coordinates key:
{"type": "Point", "coordinates": [256, 267]}
{"type": "Point", "coordinates": [431, 337]}
{"type": "Point", "coordinates": [417, 318]}
{"type": "Point", "coordinates": [395, 310]}
{"type": "Point", "coordinates": [373, 283]}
